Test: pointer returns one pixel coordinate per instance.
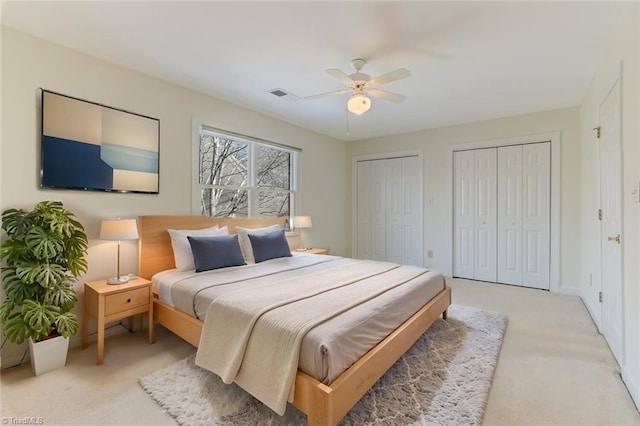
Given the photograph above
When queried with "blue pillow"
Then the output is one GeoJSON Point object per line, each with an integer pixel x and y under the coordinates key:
{"type": "Point", "coordinates": [216, 252]}
{"type": "Point", "coordinates": [270, 245]}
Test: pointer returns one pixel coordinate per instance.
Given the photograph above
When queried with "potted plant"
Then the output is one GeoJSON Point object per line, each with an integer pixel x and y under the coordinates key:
{"type": "Point", "coordinates": [44, 255]}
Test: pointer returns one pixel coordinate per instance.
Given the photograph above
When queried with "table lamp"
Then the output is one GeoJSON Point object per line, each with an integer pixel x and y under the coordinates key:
{"type": "Point", "coordinates": [117, 230]}
{"type": "Point", "coordinates": [302, 222]}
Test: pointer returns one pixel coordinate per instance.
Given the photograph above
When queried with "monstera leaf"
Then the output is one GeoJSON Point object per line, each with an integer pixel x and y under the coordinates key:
{"type": "Point", "coordinates": [13, 250]}
{"type": "Point", "coordinates": [15, 290]}
{"type": "Point", "coordinates": [16, 329]}
{"type": "Point", "coordinates": [45, 274]}
{"type": "Point", "coordinates": [67, 324]}
{"type": "Point", "coordinates": [39, 317]}
{"type": "Point", "coordinates": [42, 244]}
{"type": "Point", "coordinates": [62, 295]}
{"type": "Point", "coordinates": [16, 222]}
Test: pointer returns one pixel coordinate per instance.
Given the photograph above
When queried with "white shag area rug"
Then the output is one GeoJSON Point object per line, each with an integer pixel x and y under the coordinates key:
{"type": "Point", "coordinates": [443, 379]}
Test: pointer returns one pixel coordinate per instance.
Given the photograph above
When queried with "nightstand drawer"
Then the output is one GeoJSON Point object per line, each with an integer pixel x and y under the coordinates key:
{"type": "Point", "coordinates": [126, 300]}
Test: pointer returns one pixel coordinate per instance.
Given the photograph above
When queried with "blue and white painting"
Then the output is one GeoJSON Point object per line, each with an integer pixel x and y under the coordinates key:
{"type": "Point", "coordinates": [90, 146]}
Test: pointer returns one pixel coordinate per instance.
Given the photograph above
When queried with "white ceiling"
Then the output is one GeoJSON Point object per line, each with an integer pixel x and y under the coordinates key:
{"type": "Point", "coordinates": [469, 61]}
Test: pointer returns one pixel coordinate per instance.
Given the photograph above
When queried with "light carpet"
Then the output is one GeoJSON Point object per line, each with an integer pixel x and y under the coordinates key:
{"type": "Point", "coordinates": [444, 378]}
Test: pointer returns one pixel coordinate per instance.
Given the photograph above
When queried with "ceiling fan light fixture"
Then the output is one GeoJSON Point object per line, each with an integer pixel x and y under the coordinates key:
{"type": "Point", "coordinates": [359, 104]}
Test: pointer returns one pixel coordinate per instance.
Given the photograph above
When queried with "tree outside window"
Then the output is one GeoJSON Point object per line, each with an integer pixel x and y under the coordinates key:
{"type": "Point", "coordinates": [241, 178]}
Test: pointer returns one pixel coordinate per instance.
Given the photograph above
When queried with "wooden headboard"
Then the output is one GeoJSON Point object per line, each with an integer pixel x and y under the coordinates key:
{"type": "Point", "coordinates": [156, 253]}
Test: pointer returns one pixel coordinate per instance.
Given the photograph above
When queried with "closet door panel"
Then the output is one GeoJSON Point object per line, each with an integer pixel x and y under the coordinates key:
{"type": "Point", "coordinates": [364, 205]}
{"type": "Point", "coordinates": [510, 215]}
{"type": "Point", "coordinates": [394, 208]}
{"type": "Point", "coordinates": [389, 210]}
{"type": "Point", "coordinates": [463, 205]}
{"type": "Point", "coordinates": [379, 211]}
{"type": "Point", "coordinates": [536, 219]}
{"type": "Point", "coordinates": [485, 220]}
{"type": "Point", "coordinates": [412, 216]}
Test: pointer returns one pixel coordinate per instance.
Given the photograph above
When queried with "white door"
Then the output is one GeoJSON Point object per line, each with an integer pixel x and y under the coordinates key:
{"type": "Point", "coordinates": [536, 214]}
{"type": "Point", "coordinates": [502, 214]}
{"type": "Point", "coordinates": [394, 202]}
{"type": "Point", "coordinates": [412, 217]}
{"type": "Point", "coordinates": [364, 212]}
{"type": "Point", "coordinates": [463, 207]}
{"type": "Point", "coordinates": [379, 211]}
{"type": "Point", "coordinates": [485, 218]}
{"type": "Point", "coordinates": [510, 215]}
{"type": "Point", "coordinates": [611, 228]}
{"type": "Point", "coordinates": [389, 210]}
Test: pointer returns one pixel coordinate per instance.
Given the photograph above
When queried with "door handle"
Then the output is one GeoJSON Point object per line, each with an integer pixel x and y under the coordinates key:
{"type": "Point", "coordinates": [616, 238]}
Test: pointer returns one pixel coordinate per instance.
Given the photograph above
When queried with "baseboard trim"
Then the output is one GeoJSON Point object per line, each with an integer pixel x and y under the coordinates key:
{"type": "Point", "coordinates": [74, 342]}
{"type": "Point", "coordinates": [13, 361]}
{"type": "Point", "coordinates": [592, 314]}
{"type": "Point", "coordinates": [571, 291]}
{"type": "Point", "coordinates": [631, 387]}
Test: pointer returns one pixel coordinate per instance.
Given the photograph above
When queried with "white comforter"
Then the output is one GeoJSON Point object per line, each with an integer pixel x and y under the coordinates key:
{"type": "Point", "coordinates": [253, 337]}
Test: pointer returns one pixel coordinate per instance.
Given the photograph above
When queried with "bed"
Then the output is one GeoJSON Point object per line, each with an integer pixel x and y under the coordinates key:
{"type": "Point", "coordinates": [323, 403]}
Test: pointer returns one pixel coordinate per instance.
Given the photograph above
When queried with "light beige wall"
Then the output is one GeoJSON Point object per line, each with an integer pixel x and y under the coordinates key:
{"type": "Point", "coordinates": [1, 202]}
{"type": "Point", "coordinates": [29, 63]}
{"type": "Point", "coordinates": [435, 145]}
{"type": "Point", "coordinates": [1, 126]}
{"type": "Point", "coordinates": [622, 46]}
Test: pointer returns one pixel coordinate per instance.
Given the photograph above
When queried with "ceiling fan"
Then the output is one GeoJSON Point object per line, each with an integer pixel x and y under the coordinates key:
{"type": "Point", "coordinates": [362, 86]}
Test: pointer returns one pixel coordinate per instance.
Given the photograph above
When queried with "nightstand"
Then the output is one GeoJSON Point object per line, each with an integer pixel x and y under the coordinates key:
{"type": "Point", "coordinates": [313, 250]}
{"type": "Point", "coordinates": [108, 303]}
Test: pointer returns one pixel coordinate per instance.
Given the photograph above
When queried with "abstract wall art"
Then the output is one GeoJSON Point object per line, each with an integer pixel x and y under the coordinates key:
{"type": "Point", "coordinates": [89, 146]}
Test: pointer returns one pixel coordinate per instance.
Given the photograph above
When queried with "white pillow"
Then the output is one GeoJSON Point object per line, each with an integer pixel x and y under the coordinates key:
{"type": "Point", "coordinates": [245, 243]}
{"type": "Point", "coordinates": [181, 247]}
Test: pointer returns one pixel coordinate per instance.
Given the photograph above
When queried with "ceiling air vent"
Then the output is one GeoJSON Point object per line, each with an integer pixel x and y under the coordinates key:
{"type": "Point", "coordinates": [283, 94]}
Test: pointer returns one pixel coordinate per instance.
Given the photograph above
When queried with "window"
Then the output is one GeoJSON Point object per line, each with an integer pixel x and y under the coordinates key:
{"type": "Point", "coordinates": [242, 177]}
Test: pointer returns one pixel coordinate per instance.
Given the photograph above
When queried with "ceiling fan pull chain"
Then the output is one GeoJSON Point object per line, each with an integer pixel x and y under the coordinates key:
{"type": "Point", "coordinates": [347, 114]}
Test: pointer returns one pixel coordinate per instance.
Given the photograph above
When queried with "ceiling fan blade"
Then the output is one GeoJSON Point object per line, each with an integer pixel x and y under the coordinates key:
{"type": "Point", "coordinates": [340, 75]}
{"type": "Point", "coordinates": [389, 96]}
{"type": "Point", "coordinates": [398, 74]}
{"type": "Point", "coordinates": [323, 95]}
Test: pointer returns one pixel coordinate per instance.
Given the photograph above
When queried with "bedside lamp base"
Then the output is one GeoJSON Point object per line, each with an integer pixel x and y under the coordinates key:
{"type": "Point", "coordinates": [121, 280]}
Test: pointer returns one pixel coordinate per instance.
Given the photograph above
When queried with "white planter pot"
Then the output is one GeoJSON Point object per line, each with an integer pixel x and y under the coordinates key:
{"type": "Point", "coordinates": [48, 354]}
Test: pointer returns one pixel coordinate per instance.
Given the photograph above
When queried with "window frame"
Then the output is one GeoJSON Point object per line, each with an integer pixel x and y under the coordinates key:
{"type": "Point", "coordinates": [253, 190]}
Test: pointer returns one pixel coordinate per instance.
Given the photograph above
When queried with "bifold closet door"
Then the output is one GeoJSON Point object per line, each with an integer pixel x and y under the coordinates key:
{"type": "Point", "coordinates": [485, 221]}
{"type": "Point", "coordinates": [412, 215]}
{"type": "Point", "coordinates": [394, 209]}
{"type": "Point", "coordinates": [389, 210]}
{"type": "Point", "coordinates": [536, 214]}
{"type": "Point", "coordinates": [364, 202]}
{"type": "Point", "coordinates": [475, 214]}
{"type": "Point", "coordinates": [379, 211]}
{"type": "Point", "coordinates": [524, 214]}
{"type": "Point", "coordinates": [371, 210]}
{"type": "Point", "coordinates": [463, 219]}
{"type": "Point", "coordinates": [510, 215]}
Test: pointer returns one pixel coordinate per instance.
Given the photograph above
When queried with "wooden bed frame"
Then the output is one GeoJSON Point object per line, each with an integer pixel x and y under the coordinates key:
{"type": "Point", "coordinates": [323, 404]}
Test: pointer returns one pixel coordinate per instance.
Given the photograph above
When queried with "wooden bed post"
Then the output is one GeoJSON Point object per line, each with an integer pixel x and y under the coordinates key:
{"type": "Point", "coordinates": [315, 399]}
{"type": "Point", "coordinates": [445, 315]}
{"type": "Point", "coordinates": [321, 409]}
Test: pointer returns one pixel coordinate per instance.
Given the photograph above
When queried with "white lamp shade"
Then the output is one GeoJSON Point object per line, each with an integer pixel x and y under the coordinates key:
{"type": "Point", "coordinates": [359, 104]}
{"type": "Point", "coordinates": [118, 229]}
{"type": "Point", "coordinates": [303, 222]}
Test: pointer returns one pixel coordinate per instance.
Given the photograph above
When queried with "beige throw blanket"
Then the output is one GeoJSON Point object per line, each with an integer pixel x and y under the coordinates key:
{"type": "Point", "coordinates": [253, 338]}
